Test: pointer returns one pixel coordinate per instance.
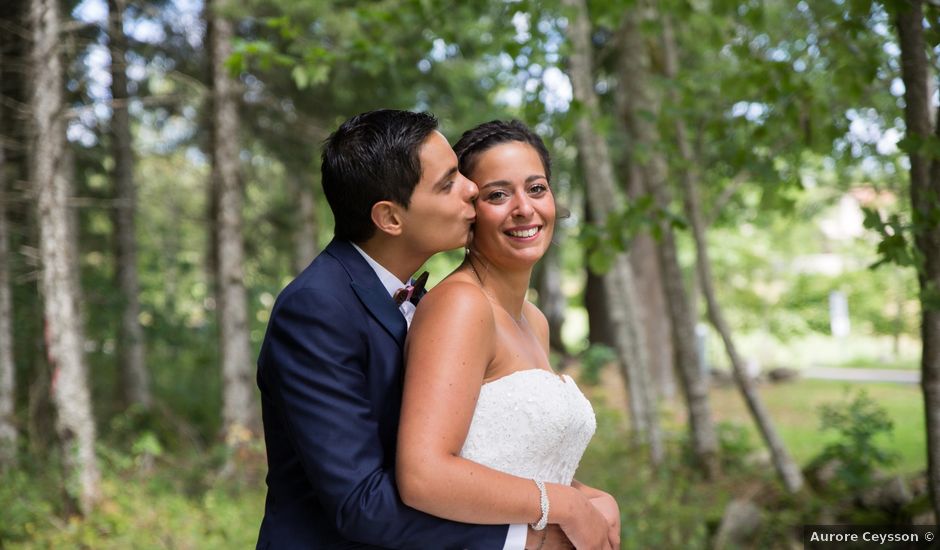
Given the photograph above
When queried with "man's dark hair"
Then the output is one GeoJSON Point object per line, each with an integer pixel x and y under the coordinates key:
{"type": "Point", "coordinates": [372, 157]}
{"type": "Point", "coordinates": [476, 140]}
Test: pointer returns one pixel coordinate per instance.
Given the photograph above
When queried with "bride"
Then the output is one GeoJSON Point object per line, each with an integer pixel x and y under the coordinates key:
{"type": "Point", "coordinates": [489, 434]}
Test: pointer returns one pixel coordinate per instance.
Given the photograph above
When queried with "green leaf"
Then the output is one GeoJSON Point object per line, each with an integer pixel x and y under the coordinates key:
{"type": "Point", "coordinates": [301, 79]}
{"type": "Point", "coordinates": [319, 74]}
{"type": "Point", "coordinates": [600, 260]}
{"type": "Point", "coordinates": [236, 64]}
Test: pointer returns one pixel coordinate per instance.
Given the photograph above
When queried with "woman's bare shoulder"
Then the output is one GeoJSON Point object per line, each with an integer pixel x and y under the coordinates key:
{"type": "Point", "coordinates": [454, 315]}
{"type": "Point", "coordinates": [456, 295]}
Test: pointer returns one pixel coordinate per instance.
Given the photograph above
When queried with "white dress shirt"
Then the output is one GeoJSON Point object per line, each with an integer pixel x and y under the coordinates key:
{"type": "Point", "coordinates": [515, 538]}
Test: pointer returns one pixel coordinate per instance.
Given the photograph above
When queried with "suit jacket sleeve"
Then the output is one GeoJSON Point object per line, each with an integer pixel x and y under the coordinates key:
{"type": "Point", "coordinates": [316, 366]}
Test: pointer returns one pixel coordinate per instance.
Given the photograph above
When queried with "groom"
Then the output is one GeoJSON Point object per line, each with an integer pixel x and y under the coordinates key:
{"type": "Point", "coordinates": [330, 368]}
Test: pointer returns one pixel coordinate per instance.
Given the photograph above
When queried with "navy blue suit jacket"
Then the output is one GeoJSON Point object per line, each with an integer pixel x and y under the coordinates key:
{"type": "Point", "coordinates": [330, 373]}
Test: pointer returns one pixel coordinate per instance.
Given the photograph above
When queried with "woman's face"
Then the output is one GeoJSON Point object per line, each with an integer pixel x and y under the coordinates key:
{"type": "Point", "coordinates": [515, 208]}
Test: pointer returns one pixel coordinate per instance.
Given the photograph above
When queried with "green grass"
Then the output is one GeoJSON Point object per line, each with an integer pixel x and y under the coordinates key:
{"type": "Point", "coordinates": [794, 408]}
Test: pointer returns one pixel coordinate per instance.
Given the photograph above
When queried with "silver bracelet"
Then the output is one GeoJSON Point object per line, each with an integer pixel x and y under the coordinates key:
{"type": "Point", "coordinates": [543, 504]}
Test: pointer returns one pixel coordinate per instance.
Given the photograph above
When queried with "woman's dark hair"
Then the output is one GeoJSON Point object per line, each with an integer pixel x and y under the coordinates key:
{"type": "Point", "coordinates": [372, 157]}
{"type": "Point", "coordinates": [476, 140]}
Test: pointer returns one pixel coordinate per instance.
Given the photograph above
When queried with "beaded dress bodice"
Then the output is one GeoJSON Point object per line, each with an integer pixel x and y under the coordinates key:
{"type": "Point", "coordinates": [531, 423]}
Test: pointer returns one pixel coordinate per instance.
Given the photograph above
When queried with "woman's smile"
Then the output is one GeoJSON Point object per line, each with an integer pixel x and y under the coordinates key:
{"type": "Point", "coordinates": [524, 233]}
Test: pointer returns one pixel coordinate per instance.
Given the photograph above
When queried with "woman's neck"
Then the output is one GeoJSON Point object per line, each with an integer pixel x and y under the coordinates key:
{"type": "Point", "coordinates": [506, 287]}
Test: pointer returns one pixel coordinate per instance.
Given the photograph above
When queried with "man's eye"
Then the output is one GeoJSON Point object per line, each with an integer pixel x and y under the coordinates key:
{"type": "Point", "coordinates": [448, 186]}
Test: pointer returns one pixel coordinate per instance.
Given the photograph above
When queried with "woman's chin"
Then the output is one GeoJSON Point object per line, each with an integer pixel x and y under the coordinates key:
{"type": "Point", "coordinates": [511, 254]}
{"type": "Point", "coordinates": [526, 257]}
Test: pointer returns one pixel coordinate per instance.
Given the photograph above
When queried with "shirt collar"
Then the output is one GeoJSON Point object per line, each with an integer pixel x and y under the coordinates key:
{"type": "Point", "coordinates": [389, 281]}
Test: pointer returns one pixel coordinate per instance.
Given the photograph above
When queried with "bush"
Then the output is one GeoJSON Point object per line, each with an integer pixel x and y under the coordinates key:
{"type": "Point", "coordinates": [25, 510]}
{"type": "Point", "coordinates": [734, 444]}
{"type": "Point", "coordinates": [149, 499]}
{"type": "Point", "coordinates": [860, 425]}
{"type": "Point", "coordinates": [593, 360]}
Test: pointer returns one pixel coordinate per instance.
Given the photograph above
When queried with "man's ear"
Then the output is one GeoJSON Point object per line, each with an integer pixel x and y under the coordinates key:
{"type": "Point", "coordinates": [386, 215]}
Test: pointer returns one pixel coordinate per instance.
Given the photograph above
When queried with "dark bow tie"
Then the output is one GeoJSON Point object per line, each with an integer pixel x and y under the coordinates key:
{"type": "Point", "coordinates": [413, 292]}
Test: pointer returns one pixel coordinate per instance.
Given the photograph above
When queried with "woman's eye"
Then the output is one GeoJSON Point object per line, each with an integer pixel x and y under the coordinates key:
{"type": "Point", "coordinates": [496, 195]}
{"type": "Point", "coordinates": [538, 188]}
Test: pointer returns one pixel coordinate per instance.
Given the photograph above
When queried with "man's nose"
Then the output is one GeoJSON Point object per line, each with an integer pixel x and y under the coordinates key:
{"type": "Point", "coordinates": [471, 191]}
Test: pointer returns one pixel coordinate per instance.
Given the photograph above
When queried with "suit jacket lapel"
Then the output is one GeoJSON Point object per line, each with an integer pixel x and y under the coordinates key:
{"type": "Point", "coordinates": [370, 290]}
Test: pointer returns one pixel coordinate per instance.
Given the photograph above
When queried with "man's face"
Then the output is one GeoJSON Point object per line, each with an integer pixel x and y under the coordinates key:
{"type": "Point", "coordinates": [441, 209]}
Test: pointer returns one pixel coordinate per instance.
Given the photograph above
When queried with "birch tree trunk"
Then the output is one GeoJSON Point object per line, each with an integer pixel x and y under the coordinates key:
{"type": "Point", "coordinates": [239, 406]}
{"type": "Point", "coordinates": [65, 339]}
{"type": "Point", "coordinates": [305, 233]}
{"type": "Point", "coordinates": [635, 78]}
{"type": "Point", "coordinates": [602, 196]}
{"type": "Point", "coordinates": [925, 188]}
{"type": "Point", "coordinates": [131, 358]}
{"type": "Point", "coordinates": [8, 433]}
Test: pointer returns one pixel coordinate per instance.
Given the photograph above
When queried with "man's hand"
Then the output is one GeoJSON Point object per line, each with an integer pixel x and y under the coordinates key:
{"type": "Point", "coordinates": [554, 539]}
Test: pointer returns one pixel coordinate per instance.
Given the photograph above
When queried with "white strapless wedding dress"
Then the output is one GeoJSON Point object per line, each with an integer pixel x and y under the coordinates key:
{"type": "Point", "coordinates": [532, 424]}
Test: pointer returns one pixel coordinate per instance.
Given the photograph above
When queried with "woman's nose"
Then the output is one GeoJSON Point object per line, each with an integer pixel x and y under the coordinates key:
{"type": "Point", "coordinates": [523, 208]}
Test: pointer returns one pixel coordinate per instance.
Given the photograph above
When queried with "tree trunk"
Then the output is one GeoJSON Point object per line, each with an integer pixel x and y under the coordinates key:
{"type": "Point", "coordinates": [643, 255]}
{"type": "Point", "coordinates": [305, 230]}
{"type": "Point", "coordinates": [601, 194]}
{"type": "Point", "coordinates": [8, 433]}
{"type": "Point", "coordinates": [131, 360]}
{"type": "Point", "coordinates": [634, 71]}
{"type": "Point", "coordinates": [32, 372]}
{"type": "Point", "coordinates": [551, 298]}
{"type": "Point", "coordinates": [925, 188]}
{"type": "Point", "coordinates": [63, 322]}
{"type": "Point", "coordinates": [787, 469]}
{"type": "Point", "coordinates": [649, 285]}
{"type": "Point", "coordinates": [239, 406]}
{"type": "Point", "coordinates": [595, 301]}
{"type": "Point", "coordinates": [930, 326]}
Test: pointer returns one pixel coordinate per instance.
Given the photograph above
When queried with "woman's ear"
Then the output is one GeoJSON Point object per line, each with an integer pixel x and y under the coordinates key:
{"type": "Point", "coordinates": [386, 215]}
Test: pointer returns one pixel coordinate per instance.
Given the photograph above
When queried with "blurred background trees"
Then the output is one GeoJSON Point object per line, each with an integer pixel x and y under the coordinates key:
{"type": "Point", "coordinates": [734, 171]}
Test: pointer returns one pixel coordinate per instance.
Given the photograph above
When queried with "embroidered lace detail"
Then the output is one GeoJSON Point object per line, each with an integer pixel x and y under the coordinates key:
{"type": "Point", "coordinates": [531, 424]}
